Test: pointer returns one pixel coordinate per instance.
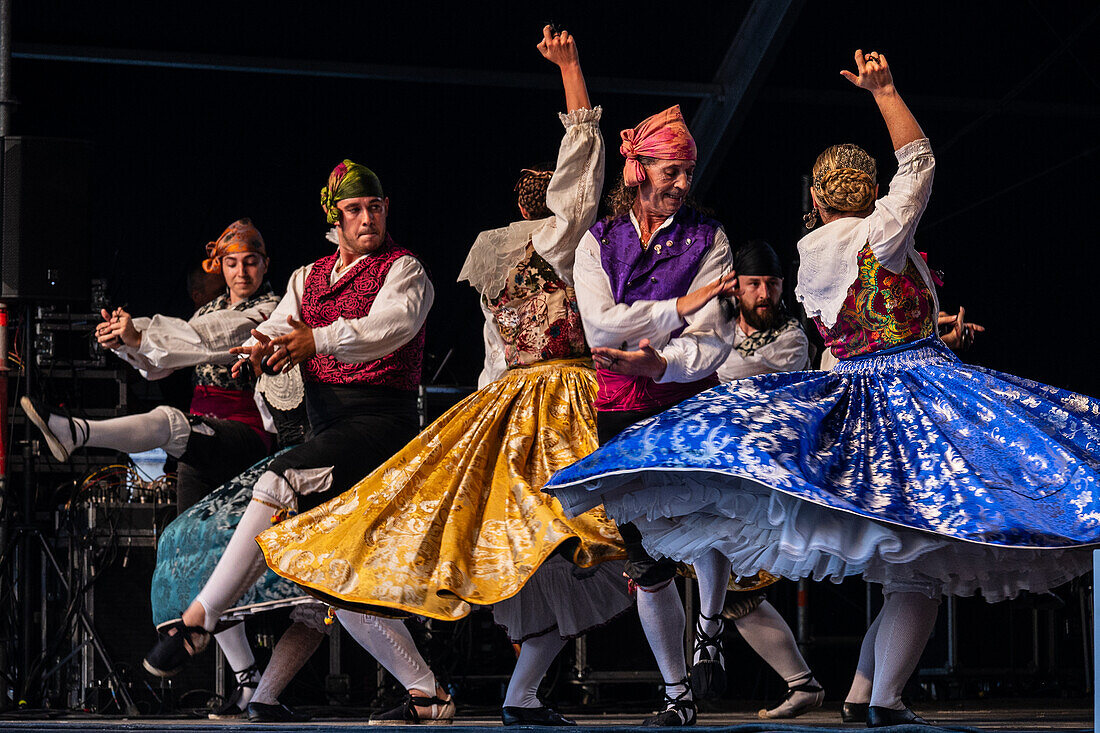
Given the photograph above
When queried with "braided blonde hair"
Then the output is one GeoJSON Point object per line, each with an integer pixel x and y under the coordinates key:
{"type": "Point", "coordinates": [845, 177]}
{"type": "Point", "coordinates": [531, 189]}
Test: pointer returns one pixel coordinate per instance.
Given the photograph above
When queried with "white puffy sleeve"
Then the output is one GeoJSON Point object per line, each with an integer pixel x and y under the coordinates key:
{"type": "Point", "coordinates": [396, 316]}
{"type": "Point", "coordinates": [891, 226]}
{"type": "Point", "coordinates": [170, 343]}
{"type": "Point", "coordinates": [573, 195]}
{"type": "Point", "coordinates": [495, 364]}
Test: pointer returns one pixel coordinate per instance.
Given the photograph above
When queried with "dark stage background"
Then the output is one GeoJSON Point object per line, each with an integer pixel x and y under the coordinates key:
{"type": "Point", "coordinates": [1008, 92]}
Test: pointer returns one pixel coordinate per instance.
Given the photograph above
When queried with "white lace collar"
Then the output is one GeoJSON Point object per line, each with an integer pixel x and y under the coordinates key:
{"type": "Point", "coordinates": [829, 264]}
{"type": "Point", "coordinates": [494, 254]}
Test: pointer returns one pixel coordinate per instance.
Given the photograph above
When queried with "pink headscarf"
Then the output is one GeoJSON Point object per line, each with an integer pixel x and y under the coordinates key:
{"type": "Point", "coordinates": [664, 136]}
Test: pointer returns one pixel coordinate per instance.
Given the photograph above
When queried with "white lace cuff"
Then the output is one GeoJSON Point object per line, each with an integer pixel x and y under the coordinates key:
{"type": "Point", "coordinates": [912, 150]}
{"type": "Point", "coordinates": [580, 116]}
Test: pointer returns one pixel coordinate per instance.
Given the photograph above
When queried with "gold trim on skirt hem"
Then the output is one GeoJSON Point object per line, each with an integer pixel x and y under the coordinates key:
{"type": "Point", "coordinates": [457, 516]}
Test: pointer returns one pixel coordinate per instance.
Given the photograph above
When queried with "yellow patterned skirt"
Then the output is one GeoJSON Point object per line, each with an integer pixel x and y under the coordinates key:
{"type": "Point", "coordinates": [457, 516]}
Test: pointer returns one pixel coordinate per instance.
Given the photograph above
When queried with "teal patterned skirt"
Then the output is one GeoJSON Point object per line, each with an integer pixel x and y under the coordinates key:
{"type": "Point", "coordinates": [194, 542]}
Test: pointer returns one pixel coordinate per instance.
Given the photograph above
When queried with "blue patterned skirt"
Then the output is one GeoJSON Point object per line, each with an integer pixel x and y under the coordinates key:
{"type": "Point", "coordinates": [193, 543]}
{"type": "Point", "coordinates": [906, 466]}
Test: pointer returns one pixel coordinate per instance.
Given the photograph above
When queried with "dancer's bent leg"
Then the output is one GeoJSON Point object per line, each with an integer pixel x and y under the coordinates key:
{"type": "Point", "coordinates": [535, 657]}
{"type": "Point", "coordinates": [392, 646]}
{"type": "Point", "coordinates": [240, 566]}
{"type": "Point", "coordinates": [164, 427]}
{"type": "Point", "coordinates": [769, 635]}
{"type": "Point", "coordinates": [242, 563]}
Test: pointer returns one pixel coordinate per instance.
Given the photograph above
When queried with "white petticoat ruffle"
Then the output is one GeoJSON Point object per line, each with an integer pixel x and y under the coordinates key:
{"type": "Point", "coordinates": [565, 599]}
{"type": "Point", "coordinates": [761, 529]}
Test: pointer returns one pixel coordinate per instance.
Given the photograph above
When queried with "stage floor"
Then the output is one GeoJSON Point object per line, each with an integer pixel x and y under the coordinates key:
{"type": "Point", "coordinates": [996, 715]}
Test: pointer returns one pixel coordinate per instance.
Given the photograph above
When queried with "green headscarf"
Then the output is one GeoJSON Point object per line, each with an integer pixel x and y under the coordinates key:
{"type": "Point", "coordinates": [348, 181]}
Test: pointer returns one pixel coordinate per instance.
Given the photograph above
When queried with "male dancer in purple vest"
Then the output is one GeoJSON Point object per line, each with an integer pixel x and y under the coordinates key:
{"type": "Point", "coordinates": [354, 320]}
{"type": "Point", "coordinates": [648, 281]}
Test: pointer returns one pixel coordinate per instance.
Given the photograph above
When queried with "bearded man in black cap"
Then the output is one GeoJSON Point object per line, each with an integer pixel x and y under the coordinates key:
{"type": "Point", "coordinates": [768, 338]}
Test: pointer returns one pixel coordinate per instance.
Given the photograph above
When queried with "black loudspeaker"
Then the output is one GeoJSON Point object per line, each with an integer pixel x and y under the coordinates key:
{"type": "Point", "coordinates": [46, 218]}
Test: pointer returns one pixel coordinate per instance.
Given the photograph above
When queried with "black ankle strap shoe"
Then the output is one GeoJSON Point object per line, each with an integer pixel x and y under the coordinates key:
{"type": "Point", "coordinates": [541, 715]}
{"type": "Point", "coordinates": [881, 717]}
{"type": "Point", "coordinates": [236, 705]}
{"type": "Point", "coordinates": [679, 711]}
{"type": "Point", "coordinates": [708, 675]}
{"type": "Point", "coordinates": [414, 710]}
{"type": "Point", "coordinates": [38, 412]}
{"type": "Point", "coordinates": [173, 650]}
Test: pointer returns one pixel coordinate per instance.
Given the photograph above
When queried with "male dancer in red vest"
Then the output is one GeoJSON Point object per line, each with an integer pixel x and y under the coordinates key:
{"type": "Point", "coordinates": [354, 320]}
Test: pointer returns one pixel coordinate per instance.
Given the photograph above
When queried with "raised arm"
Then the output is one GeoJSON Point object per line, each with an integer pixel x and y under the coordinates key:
{"type": "Point", "coordinates": [573, 194]}
{"type": "Point", "coordinates": [874, 76]}
{"type": "Point", "coordinates": [560, 49]}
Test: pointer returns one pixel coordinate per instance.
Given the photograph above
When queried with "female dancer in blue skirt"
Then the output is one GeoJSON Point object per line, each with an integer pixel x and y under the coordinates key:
{"type": "Point", "coordinates": [903, 465]}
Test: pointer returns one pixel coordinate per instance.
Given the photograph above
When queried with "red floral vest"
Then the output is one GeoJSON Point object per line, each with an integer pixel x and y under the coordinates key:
{"type": "Point", "coordinates": [352, 297]}
{"type": "Point", "coordinates": [882, 310]}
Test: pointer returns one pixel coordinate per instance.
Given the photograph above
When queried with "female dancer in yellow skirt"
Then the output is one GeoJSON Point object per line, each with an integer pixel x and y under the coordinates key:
{"type": "Point", "coordinates": [457, 517]}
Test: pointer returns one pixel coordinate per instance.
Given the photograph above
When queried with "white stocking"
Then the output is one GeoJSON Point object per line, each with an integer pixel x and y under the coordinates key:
{"type": "Point", "coordinates": [129, 434]}
{"type": "Point", "coordinates": [906, 623]}
{"type": "Point", "coordinates": [535, 657]}
{"type": "Point", "coordinates": [241, 565]}
{"type": "Point", "coordinates": [391, 644]}
{"type": "Point", "coordinates": [712, 571]}
{"type": "Point", "coordinates": [860, 691]}
{"type": "Point", "coordinates": [769, 636]}
{"type": "Point", "coordinates": [662, 615]}
{"type": "Point", "coordinates": [234, 645]}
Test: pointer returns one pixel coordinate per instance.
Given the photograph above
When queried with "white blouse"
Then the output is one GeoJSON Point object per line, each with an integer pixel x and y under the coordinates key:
{"type": "Point", "coordinates": [170, 343]}
{"type": "Point", "coordinates": [573, 197]}
{"type": "Point", "coordinates": [694, 354]}
{"type": "Point", "coordinates": [829, 255]}
{"type": "Point", "coordinates": [790, 352]}
{"type": "Point", "coordinates": [396, 316]}
{"type": "Point", "coordinates": [495, 365]}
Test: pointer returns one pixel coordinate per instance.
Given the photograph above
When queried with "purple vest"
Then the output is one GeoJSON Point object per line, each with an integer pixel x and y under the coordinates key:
{"type": "Point", "coordinates": [666, 268]}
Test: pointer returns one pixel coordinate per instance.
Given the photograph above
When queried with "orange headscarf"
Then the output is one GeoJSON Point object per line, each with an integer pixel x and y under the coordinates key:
{"type": "Point", "coordinates": [240, 236]}
{"type": "Point", "coordinates": [664, 136]}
